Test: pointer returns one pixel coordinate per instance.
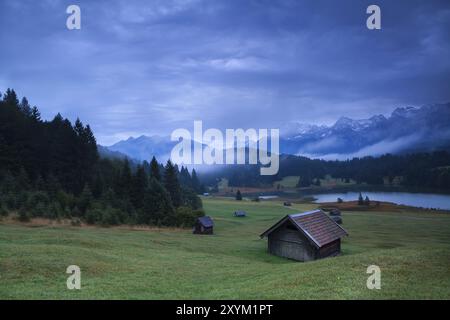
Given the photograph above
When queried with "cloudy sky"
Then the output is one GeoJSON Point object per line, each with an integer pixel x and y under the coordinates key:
{"type": "Point", "coordinates": [148, 67]}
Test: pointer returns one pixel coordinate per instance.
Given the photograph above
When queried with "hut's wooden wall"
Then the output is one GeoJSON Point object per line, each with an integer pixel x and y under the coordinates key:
{"type": "Point", "coordinates": [331, 249]}
{"type": "Point", "coordinates": [200, 229]}
{"type": "Point", "coordinates": [289, 243]}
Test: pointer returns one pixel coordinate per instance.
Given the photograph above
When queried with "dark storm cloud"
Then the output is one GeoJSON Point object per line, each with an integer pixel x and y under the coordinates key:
{"type": "Point", "coordinates": [144, 67]}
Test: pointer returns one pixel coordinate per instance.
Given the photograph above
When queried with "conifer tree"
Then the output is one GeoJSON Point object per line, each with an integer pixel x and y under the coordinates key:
{"type": "Point", "coordinates": [195, 182]}
{"type": "Point", "coordinates": [10, 97]}
{"type": "Point", "coordinates": [154, 170]}
{"type": "Point", "coordinates": [172, 184]}
{"type": "Point", "coordinates": [125, 180]}
{"type": "Point", "coordinates": [35, 114]}
{"type": "Point", "coordinates": [139, 187]}
{"type": "Point", "coordinates": [85, 199]}
{"type": "Point", "coordinates": [157, 208]}
{"type": "Point", "coordinates": [185, 178]}
{"type": "Point", "coordinates": [360, 199]}
{"type": "Point", "coordinates": [25, 107]}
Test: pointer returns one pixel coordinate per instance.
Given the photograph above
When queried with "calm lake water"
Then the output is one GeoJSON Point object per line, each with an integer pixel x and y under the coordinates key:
{"type": "Point", "coordinates": [424, 200]}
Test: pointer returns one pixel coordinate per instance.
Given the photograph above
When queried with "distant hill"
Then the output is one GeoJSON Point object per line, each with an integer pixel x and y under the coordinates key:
{"type": "Point", "coordinates": [104, 152]}
{"type": "Point", "coordinates": [407, 129]}
{"type": "Point", "coordinates": [144, 147]}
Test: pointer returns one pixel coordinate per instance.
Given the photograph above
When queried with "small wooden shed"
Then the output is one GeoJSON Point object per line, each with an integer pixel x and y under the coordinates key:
{"type": "Point", "coordinates": [335, 212]}
{"type": "Point", "coordinates": [240, 213]}
{"type": "Point", "coordinates": [203, 225]}
{"type": "Point", "coordinates": [305, 236]}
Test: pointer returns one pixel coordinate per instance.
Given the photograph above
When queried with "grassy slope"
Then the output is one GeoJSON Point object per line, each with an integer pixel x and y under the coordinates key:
{"type": "Point", "coordinates": [412, 249]}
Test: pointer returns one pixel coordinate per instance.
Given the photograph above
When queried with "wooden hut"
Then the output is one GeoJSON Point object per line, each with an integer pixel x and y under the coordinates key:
{"type": "Point", "coordinates": [203, 225]}
{"type": "Point", "coordinates": [240, 214]}
{"type": "Point", "coordinates": [336, 219]}
{"type": "Point", "coordinates": [335, 212]}
{"type": "Point", "coordinates": [305, 236]}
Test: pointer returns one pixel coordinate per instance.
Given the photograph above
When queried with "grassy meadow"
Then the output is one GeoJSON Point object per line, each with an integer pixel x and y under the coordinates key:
{"type": "Point", "coordinates": [412, 248]}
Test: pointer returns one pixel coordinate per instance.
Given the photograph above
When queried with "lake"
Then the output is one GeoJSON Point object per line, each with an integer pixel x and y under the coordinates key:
{"type": "Point", "coordinates": [424, 200]}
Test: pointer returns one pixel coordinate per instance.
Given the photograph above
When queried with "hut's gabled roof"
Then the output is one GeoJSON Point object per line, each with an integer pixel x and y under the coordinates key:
{"type": "Point", "coordinates": [206, 221]}
{"type": "Point", "coordinates": [315, 225]}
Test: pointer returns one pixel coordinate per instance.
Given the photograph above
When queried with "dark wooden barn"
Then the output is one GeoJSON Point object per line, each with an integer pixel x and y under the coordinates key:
{"type": "Point", "coordinates": [305, 236]}
{"type": "Point", "coordinates": [240, 214]}
{"type": "Point", "coordinates": [204, 225]}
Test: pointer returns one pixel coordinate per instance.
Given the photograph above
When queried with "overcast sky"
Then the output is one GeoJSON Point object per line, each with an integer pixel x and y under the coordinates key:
{"type": "Point", "coordinates": [148, 67]}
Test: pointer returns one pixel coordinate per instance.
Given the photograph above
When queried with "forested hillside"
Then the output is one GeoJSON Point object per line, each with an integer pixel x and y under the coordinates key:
{"type": "Point", "coordinates": [52, 169]}
{"type": "Point", "coordinates": [419, 170]}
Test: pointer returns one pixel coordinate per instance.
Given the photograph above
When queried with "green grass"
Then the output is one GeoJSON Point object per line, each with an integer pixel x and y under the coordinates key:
{"type": "Point", "coordinates": [412, 249]}
{"type": "Point", "coordinates": [287, 182]}
{"type": "Point", "coordinates": [327, 181]}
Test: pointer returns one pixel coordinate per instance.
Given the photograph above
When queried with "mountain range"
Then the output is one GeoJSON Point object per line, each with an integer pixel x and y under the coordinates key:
{"type": "Point", "coordinates": [406, 129]}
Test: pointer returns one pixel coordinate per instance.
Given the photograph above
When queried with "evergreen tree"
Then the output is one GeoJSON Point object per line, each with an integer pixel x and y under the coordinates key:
{"type": "Point", "coordinates": [304, 181]}
{"type": "Point", "coordinates": [360, 199]}
{"type": "Point", "coordinates": [25, 107]}
{"type": "Point", "coordinates": [157, 208]}
{"type": "Point", "coordinates": [172, 184]}
{"type": "Point", "coordinates": [195, 182]}
{"type": "Point", "coordinates": [185, 178]}
{"type": "Point", "coordinates": [154, 170]}
{"type": "Point", "coordinates": [238, 195]}
{"type": "Point", "coordinates": [190, 199]}
{"type": "Point", "coordinates": [10, 98]}
{"type": "Point", "coordinates": [86, 198]}
{"type": "Point", "coordinates": [124, 188]}
{"type": "Point", "coordinates": [139, 187]}
{"type": "Point", "coordinates": [35, 114]}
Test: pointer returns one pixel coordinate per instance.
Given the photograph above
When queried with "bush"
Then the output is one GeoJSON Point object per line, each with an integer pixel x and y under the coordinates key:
{"type": "Point", "coordinates": [54, 211]}
{"type": "Point", "coordinates": [24, 215]}
{"type": "Point", "coordinates": [186, 217]}
{"type": "Point", "coordinates": [93, 216]}
{"type": "Point", "coordinates": [3, 211]}
{"type": "Point", "coordinates": [10, 201]}
{"type": "Point", "coordinates": [76, 222]}
{"type": "Point", "coordinates": [65, 200]}
{"type": "Point", "coordinates": [190, 199]}
{"type": "Point", "coordinates": [40, 210]}
{"type": "Point", "coordinates": [105, 217]}
{"type": "Point", "coordinates": [37, 203]}
{"type": "Point", "coordinates": [110, 217]}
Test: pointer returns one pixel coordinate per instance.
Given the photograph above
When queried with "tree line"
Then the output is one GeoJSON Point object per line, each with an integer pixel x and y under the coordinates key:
{"type": "Point", "coordinates": [418, 170]}
{"type": "Point", "coordinates": [52, 169]}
